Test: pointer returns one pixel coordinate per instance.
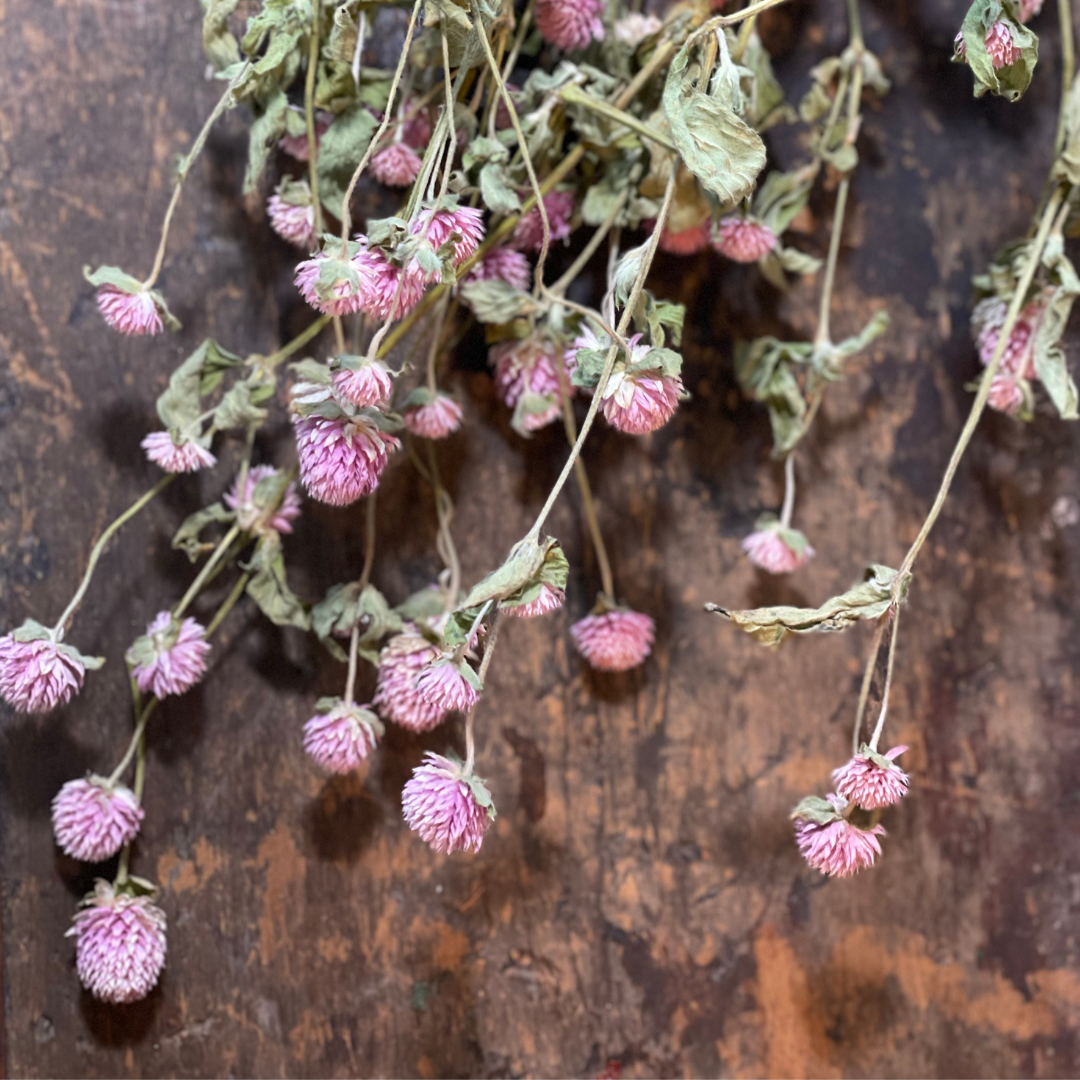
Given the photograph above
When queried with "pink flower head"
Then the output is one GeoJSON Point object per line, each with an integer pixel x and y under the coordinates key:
{"type": "Point", "coordinates": [38, 675]}
{"type": "Point", "coordinates": [1029, 9]}
{"type": "Point", "coordinates": [434, 418]}
{"type": "Point", "coordinates": [386, 289]}
{"type": "Point", "coordinates": [338, 297]}
{"type": "Point", "coordinates": [871, 780]}
{"type": "Point", "coordinates": [465, 221]}
{"type": "Point", "coordinates": [448, 684]}
{"type": "Point", "coordinates": [638, 402]}
{"type": "Point", "coordinates": [119, 945]}
{"type": "Point", "coordinates": [341, 459]}
{"type": "Point", "coordinates": [366, 384]}
{"type": "Point", "coordinates": [634, 28]}
{"type": "Point", "coordinates": [1006, 394]}
{"type": "Point", "coordinates": [293, 222]}
{"type": "Point", "coordinates": [177, 457]}
{"type": "Point", "coordinates": [776, 549]}
{"type": "Point", "coordinates": [686, 241]}
{"type": "Point", "coordinates": [504, 264]}
{"type": "Point", "coordinates": [525, 367]}
{"type": "Point", "coordinates": [249, 516]}
{"type": "Point", "coordinates": [416, 130]}
{"type": "Point", "coordinates": [449, 810]}
{"type": "Point", "coordinates": [988, 320]}
{"type": "Point", "coordinates": [396, 166]}
{"type": "Point", "coordinates": [133, 313]}
{"type": "Point", "coordinates": [550, 598]}
{"type": "Point", "coordinates": [829, 842]}
{"type": "Point", "coordinates": [614, 640]}
{"type": "Point", "coordinates": [341, 736]}
{"type": "Point", "coordinates": [570, 24]}
{"type": "Point", "coordinates": [296, 146]}
{"type": "Point", "coordinates": [171, 657]}
{"type": "Point", "coordinates": [999, 45]}
{"type": "Point", "coordinates": [93, 819]}
{"type": "Point", "coordinates": [529, 232]}
{"type": "Point", "coordinates": [401, 661]}
{"type": "Point", "coordinates": [743, 239]}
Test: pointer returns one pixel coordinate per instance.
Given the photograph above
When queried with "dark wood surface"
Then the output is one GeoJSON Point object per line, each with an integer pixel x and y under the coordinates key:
{"type": "Point", "coordinates": [640, 898]}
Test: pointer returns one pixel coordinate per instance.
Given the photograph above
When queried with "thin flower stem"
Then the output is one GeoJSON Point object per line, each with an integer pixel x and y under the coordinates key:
{"type": "Point", "coordinates": [823, 330]}
{"type": "Point", "coordinates": [598, 393]}
{"type": "Point", "coordinates": [99, 548]}
{"type": "Point", "coordinates": [1068, 68]}
{"type": "Point", "coordinates": [358, 53]}
{"type": "Point", "coordinates": [434, 347]}
{"type": "Point", "coordinates": [205, 572]}
{"type": "Point", "coordinates": [590, 249]}
{"type": "Point", "coordinates": [297, 343]}
{"type": "Point", "coordinates": [789, 491]}
{"type": "Point", "coordinates": [867, 681]}
{"type": "Point", "coordinates": [888, 684]}
{"type": "Point", "coordinates": [444, 510]}
{"type": "Point", "coordinates": [350, 681]}
{"type": "Point", "coordinates": [574, 95]}
{"type": "Point", "coordinates": [136, 738]}
{"type": "Point", "coordinates": [309, 116]}
{"type": "Point", "coordinates": [369, 540]}
{"type": "Point", "coordinates": [519, 40]}
{"type": "Point", "coordinates": [225, 102]}
{"type": "Point", "coordinates": [346, 220]}
{"type": "Point", "coordinates": [229, 603]}
{"type": "Point", "coordinates": [730, 20]}
{"type": "Point", "coordinates": [1034, 255]}
{"type": "Point", "coordinates": [489, 652]}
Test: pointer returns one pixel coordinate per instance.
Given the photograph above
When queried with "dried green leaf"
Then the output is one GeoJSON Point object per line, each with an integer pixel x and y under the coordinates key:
{"type": "Point", "coordinates": [187, 536]}
{"type": "Point", "coordinates": [220, 46]}
{"type": "Point", "coordinates": [1012, 80]}
{"type": "Point", "coordinates": [269, 588]}
{"type": "Point", "coordinates": [497, 302]}
{"type": "Point", "coordinates": [266, 129]}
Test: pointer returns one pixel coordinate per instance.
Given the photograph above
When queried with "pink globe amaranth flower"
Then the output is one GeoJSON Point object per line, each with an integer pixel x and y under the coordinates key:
{"type": "Point", "coordinates": [614, 640]}
{"type": "Point", "coordinates": [292, 222]}
{"type": "Point", "coordinates": [1029, 9]}
{"type": "Point", "coordinates": [526, 367]}
{"type": "Point", "coordinates": [296, 146]}
{"type": "Point", "coordinates": [777, 550]}
{"type": "Point", "coordinates": [442, 684]}
{"type": "Point", "coordinates": [416, 131]}
{"type": "Point", "coordinates": [504, 264]}
{"type": "Point", "coordinates": [466, 221]}
{"type": "Point", "coordinates": [529, 232]}
{"type": "Point", "coordinates": [249, 516]}
{"type": "Point", "coordinates": [402, 659]}
{"type": "Point", "coordinates": [171, 658]}
{"type": "Point", "coordinates": [637, 402]}
{"type": "Point", "coordinates": [174, 457]}
{"type": "Point", "coordinates": [549, 599]}
{"type": "Point", "coordinates": [871, 780]}
{"type": "Point", "coordinates": [634, 28]}
{"type": "Point", "coordinates": [999, 45]}
{"type": "Point", "coordinates": [37, 676]}
{"type": "Point", "coordinates": [344, 298]}
{"type": "Point", "coordinates": [341, 459]}
{"type": "Point", "coordinates": [93, 819]}
{"type": "Point", "coordinates": [743, 240]}
{"type": "Point", "coordinates": [1006, 395]}
{"type": "Point", "coordinates": [837, 847]}
{"type": "Point", "coordinates": [130, 313]}
{"type": "Point", "coordinates": [570, 24]}
{"type": "Point", "coordinates": [686, 241]}
{"type": "Point", "coordinates": [396, 166]}
{"type": "Point", "coordinates": [437, 419]}
{"type": "Point", "coordinates": [342, 736]}
{"type": "Point", "coordinates": [988, 320]}
{"type": "Point", "coordinates": [119, 945]}
{"type": "Point", "coordinates": [449, 811]}
{"type": "Point", "coordinates": [367, 385]}
{"type": "Point", "coordinates": [386, 289]}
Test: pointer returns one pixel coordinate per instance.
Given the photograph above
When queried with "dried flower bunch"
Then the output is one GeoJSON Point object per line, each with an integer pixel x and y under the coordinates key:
{"type": "Point", "coordinates": [504, 130]}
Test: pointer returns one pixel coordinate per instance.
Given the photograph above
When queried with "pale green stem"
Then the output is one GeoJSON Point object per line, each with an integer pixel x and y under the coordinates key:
{"type": "Point", "coordinates": [868, 678]}
{"type": "Point", "coordinates": [309, 116]}
{"type": "Point", "coordinates": [888, 683]}
{"type": "Point", "coordinates": [206, 571]}
{"type": "Point", "coordinates": [574, 95]}
{"type": "Point", "coordinates": [350, 682]}
{"type": "Point", "coordinates": [297, 342]}
{"type": "Point", "coordinates": [489, 652]}
{"type": "Point", "coordinates": [789, 491]}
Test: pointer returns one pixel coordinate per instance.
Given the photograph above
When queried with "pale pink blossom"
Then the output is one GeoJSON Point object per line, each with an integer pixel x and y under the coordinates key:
{"type": "Point", "coordinates": [1029, 9]}
{"type": "Point", "coordinates": [341, 738]}
{"type": "Point", "coordinates": [988, 320]}
{"type": "Point", "coordinates": [872, 780]}
{"type": "Point", "coordinates": [529, 231]}
{"type": "Point", "coordinates": [249, 516]}
{"type": "Point", "coordinates": [686, 241]}
{"type": "Point", "coordinates": [130, 313]}
{"type": "Point", "coordinates": [396, 166]}
{"type": "Point", "coordinates": [296, 146]}
{"type": "Point", "coordinates": [837, 847]}
{"type": "Point", "coordinates": [171, 658]}
{"type": "Point", "coordinates": [449, 811]}
{"type": "Point", "coordinates": [416, 130]}
{"type": "Point", "coordinates": [638, 402]}
{"type": "Point", "coordinates": [443, 685]}
{"type": "Point", "coordinates": [402, 659]}
{"type": "Point", "coordinates": [119, 945]}
{"type": "Point", "coordinates": [549, 599]}
{"type": "Point", "coordinates": [177, 457]}
{"type": "Point", "coordinates": [434, 419]}
{"type": "Point", "coordinates": [293, 222]}
{"type": "Point", "coordinates": [504, 264]}
{"type": "Point", "coordinates": [1000, 46]}
{"type": "Point", "coordinates": [37, 676]}
{"type": "Point", "coordinates": [367, 385]}
{"type": "Point", "coordinates": [614, 640]}
{"type": "Point", "coordinates": [570, 24]}
{"type": "Point", "coordinates": [93, 819]}
{"type": "Point", "coordinates": [341, 459]}
{"type": "Point", "coordinates": [386, 289]}
{"type": "Point", "coordinates": [466, 221]}
{"type": "Point", "coordinates": [344, 297]}
{"type": "Point", "coordinates": [768, 550]}
{"type": "Point", "coordinates": [634, 28]}
{"type": "Point", "coordinates": [1006, 395]}
{"type": "Point", "coordinates": [743, 239]}
{"type": "Point", "coordinates": [525, 367]}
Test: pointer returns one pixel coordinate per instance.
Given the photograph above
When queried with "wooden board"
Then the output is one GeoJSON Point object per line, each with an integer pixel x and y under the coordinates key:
{"type": "Point", "coordinates": [640, 899]}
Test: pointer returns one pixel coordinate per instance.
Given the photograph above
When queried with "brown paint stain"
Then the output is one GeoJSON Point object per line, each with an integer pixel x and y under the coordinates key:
{"type": "Point", "coordinates": [451, 947]}
{"type": "Point", "coordinates": [181, 875]}
{"type": "Point", "coordinates": [284, 864]}
{"type": "Point", "coordinates": [334, 947]}
{"type": "Point", "coordinates": [310, 1035]}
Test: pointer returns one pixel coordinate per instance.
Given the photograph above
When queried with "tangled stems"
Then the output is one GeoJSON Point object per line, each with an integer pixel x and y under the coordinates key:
{"type": "Point", "coordinates": [99, 548]}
